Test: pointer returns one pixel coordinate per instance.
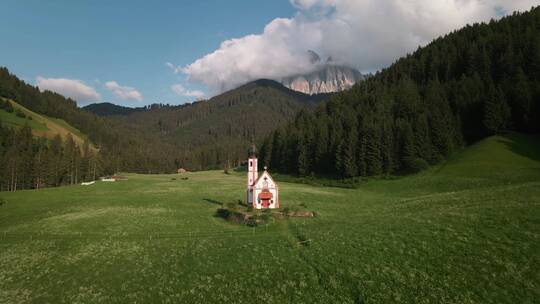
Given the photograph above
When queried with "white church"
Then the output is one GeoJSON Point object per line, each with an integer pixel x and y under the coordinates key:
{"type": "Point", "coordinates": [262, 191]}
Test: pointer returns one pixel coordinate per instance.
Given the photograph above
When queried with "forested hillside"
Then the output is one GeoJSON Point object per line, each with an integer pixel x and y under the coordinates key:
{"type": "Point", "coordinates": [38, 151]}
{"type": "Point", "coordinates": [34, 162]}
{"type": "Point", "coordinates": [119, 149]}
{"type": "Point", "coordinates": [153, 139]}
{"type": "Point", "coordinates": [109, 109]}
{"type": "Point", "coordinates": [215, 133]}
{"type": "Point", "coordinates": [480, 80]}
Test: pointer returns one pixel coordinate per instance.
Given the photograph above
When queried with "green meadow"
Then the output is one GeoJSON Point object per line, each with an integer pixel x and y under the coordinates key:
{"type": "Point", "coordinates": [466, 231]}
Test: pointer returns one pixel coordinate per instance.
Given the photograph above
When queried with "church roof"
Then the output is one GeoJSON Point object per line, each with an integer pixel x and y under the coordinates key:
{"type": "Point", "coordinates": [252, 152]}
{"type": "Point", "coordinates": [267, 175]}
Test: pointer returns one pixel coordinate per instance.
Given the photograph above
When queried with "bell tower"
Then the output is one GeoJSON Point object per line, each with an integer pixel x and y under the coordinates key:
{"type": "Point", "coordinates": [253, 173]}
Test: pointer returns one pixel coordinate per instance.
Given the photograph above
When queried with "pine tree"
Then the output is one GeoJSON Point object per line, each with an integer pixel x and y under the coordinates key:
{"type": "Point", "coordinates": [55, 156]}
{"type": "Point", "coordinates": [304, 159]}
{"type": "Point", "coordinates": [321, 147]}
{"type": "Point", "coordinates": [440, 122]}
{"type": "Point", "coordinates": [387, 149]}
{"type": "Point", "coordinates": [496, 111]}
{"type": "Point", "coordinates": [373, 150]}
{"type": "Point", "coordinates": [521, 96]}
{"type": "Point", "coordinates": [348, 158]}
{"type": "Point", "coordinates": [69, 162]}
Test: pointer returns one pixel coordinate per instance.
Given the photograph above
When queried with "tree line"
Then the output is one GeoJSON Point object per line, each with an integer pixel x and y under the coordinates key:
{"type": "Point", "coordinates": [119, 147]}
{"type": "Point", "coordinates": [472, 83]}
{"type": "Point", "coordinates": [159, 138]}
{"type": "Point", "coordinates": [28, 162]}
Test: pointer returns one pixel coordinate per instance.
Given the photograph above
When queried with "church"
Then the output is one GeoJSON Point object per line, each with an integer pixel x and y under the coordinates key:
{"type": "Point", "coordinates": [262, 191]}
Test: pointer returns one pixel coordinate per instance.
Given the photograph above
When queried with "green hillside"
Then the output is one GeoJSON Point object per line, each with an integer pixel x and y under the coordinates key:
{"type": "Point", "coordinates": [211, 133]}
{"type": "Point", "coordinates": [465, 231]}
{"type": "Point", "coordinates": [42, 125]}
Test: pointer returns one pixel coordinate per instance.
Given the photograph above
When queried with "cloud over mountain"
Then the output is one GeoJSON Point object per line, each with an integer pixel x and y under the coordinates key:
{"type": "Point", "coordinates": [367, 35]}
{"type": "Point", "coordinates": [123, 92]}
{"type": "Point", "coordinates": [182, 91]}
{"type": "Point", "coordinates": [72, 88]}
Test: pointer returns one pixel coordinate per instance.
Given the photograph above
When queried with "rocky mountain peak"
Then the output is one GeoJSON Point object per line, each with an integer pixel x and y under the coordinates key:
{"type": "Point", "coordinates": [328, 77]}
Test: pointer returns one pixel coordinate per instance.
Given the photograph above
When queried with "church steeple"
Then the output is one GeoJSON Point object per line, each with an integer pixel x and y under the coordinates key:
{"type": "Point", "coordinates": [253, 170]}
{"type": "Point", "coordinates": [252, 152]}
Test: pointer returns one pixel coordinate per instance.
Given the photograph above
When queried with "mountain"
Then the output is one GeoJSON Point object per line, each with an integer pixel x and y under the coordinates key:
{"type": "Point", "coordinates": [472, 83]}
{"type": "Point", "coordinates": [108, 109]}
{"type": "Point", "coordinates": [214, 132]}
{"type": "Point", "coordinates": [157, 138]}
{"type": "Point", "coordinates": [326, 79]}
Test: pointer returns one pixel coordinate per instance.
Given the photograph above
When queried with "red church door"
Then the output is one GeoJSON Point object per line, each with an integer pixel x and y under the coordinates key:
{"type": "Point", "coordinates": [265, 196]}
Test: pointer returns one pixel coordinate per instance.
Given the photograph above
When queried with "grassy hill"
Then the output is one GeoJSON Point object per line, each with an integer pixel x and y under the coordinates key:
{"type": "Point", "coordinates": [463, 232]}
{"type": "Point", "coordinates": [42, 125]}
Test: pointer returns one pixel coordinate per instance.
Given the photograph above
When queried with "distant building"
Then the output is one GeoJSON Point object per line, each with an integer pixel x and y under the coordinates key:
{"type": "Point", "coordinates": [262, 191]}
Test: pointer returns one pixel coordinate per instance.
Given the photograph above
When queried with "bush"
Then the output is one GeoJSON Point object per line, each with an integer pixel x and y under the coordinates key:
{"type": "Point", "coordinates": [416, 165]}
{"type": "Point", "coordinates": [6, 105]}
{"type": "Point", "coordinates": [231, 205]}
{"type": "Point", "coordinates": [20, 113]}
{"type": "Point", "coordinates": [223, 213]}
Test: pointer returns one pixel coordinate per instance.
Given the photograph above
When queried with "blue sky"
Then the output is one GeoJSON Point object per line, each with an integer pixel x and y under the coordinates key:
{"type": "Point", "coordinates": [136, 52]}
{"type": "Point", "coordinates": [128, 42]}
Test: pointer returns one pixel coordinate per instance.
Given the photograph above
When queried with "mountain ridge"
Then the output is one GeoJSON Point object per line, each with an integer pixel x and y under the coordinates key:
{"type": "Point", "coordinates": [111, 109]}
{"type": "Point", "coordinates": [108, 109]}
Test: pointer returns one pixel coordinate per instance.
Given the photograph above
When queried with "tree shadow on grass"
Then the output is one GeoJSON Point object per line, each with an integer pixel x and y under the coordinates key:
{"type": "Point", "coordinates": [212, 201]}
{"type": "Point", "coordinates": [216, 202]}
{"type": "Point", "coordinates": [527, 145]}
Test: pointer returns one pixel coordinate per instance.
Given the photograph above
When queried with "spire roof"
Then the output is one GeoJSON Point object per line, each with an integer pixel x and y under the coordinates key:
{"type": "Point", "coordinates": [252, 151]}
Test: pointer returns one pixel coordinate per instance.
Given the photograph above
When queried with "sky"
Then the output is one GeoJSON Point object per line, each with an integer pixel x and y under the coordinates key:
{"type": "Point", "coordinates": [135, 53]}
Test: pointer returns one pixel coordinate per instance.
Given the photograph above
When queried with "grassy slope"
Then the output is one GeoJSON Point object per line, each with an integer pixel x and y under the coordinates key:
{"type": "Point", "coordinates": [465, 232]}
{"type": "Point", "coordinates": [42, 126]}
{"type": "Point", "coordinates": [12, 120]}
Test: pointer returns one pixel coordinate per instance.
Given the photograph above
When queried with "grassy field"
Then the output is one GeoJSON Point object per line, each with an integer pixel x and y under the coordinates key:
{"type": "Point", "coordinates": [467, 231]}
{"type": "Point", "coordinates": [42, 126]}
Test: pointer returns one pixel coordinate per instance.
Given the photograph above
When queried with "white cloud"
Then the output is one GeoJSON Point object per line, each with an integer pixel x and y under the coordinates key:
{"type": "Point", "coordinates": [175, 69]}
{"type": "Point", "coordinates": [181, 91]}
{"type": "Point", "coordinates": [123, 92]}
{"type": "Point", "coordinates": [367, 34]}
{"type": "Point", "coordinates": [72, 88]}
